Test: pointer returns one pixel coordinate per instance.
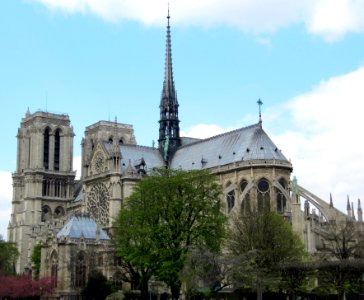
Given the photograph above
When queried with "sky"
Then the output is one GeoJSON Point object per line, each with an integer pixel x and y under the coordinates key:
{"type": "Point", "coordinates": [100, 59]}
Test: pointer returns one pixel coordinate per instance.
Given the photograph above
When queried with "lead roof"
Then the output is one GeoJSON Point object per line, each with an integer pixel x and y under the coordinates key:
{"type": "Point", "coordinates": [82, 226]}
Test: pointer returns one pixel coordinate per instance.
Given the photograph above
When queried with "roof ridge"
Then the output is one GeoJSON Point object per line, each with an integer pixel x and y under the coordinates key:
{"type": "Point", "coordinates": [220, 135]}
{"type": "Point", "coordinates": [139, 146]}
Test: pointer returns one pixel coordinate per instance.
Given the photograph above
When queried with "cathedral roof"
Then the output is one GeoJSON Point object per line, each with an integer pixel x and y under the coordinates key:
{"type": "Point", "coordinates": [244, 144]}
{"type": "Point", "coordinates": [135, 154]}
{"type": "Point", "coordinates": [82, 226]}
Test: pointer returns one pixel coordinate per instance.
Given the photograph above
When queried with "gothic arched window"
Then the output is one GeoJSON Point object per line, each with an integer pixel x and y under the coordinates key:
{"type": "Point", "coordinates": [57, 149]}
{"type": "Point", "coordinates": [54, 268]}
{"type": "Point", "coordinates": [46, 149]}
{"type": "Point", "coordinates": [80, 278]}
{"type": "Point", "coordinates": [230, 200]}
{"type": "Point", "coordinates": [263, 194]}
{"type": "Point", "coordinates": [46, 213]}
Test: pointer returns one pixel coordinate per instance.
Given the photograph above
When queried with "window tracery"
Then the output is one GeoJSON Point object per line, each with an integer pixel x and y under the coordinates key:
{"type": "Point", "coordinates": [46, 213]}
{"type": "Point", "coordinates": [98, 203]}
{"type": "Point", "coordinates": [263, 190]}
{"type": "Point", "coordinates": [80, 276]}
{"type": "Point", "coordinates": [58, 212]}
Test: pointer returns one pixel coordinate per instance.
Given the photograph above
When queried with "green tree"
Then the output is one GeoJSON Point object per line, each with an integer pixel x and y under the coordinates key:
{"type": "Point", "coordinates": [97, 287]}
{"type": "Point", "coordinates": [8, 256]}
{"type": "Point", "coordinates": [36, 258]}
{"type": "Point", "coordinates": [167, 214]}
{"type": "Point", "coordinates": [261, 242]}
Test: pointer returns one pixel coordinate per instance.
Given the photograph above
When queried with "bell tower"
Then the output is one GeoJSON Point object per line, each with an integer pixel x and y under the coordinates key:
{"type": "Point", "coordinates": [169, 139]}
{"type": "Point", "coordinates": [43, 182]}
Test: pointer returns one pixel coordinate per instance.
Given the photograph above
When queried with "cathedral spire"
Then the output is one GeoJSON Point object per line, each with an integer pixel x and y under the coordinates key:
{"type": "Point", "coordinates": [169, 139]}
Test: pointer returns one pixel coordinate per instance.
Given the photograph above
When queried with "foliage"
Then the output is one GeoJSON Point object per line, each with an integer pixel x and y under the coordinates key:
{"type": "Point", "coordinates": [341, 265]}
{"type": "Point", "coordinates": [297, 276]}
{"type": "Point", "coordinates": [167, 214]}
{"type": "Point", "coordinates": [97, 287]}
{"type": "Point", "coordinates": [261, 241]}
{"type": "Point", "coordinates": [8, 256]}
{"type": "Point", "coordinates": [210, 269]}
{"type": "Point", "coordinates": [36, 260]}
{"type": "Point", "coordinates": [341, 240]}
{"type": "Point", "coordinates": [25, 286]}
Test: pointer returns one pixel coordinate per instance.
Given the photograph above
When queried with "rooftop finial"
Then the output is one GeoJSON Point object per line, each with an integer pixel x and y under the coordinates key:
{"type": "Point", "coordinates": [260, 103]}
{"type": "Point", "coordinates": [168, 12]}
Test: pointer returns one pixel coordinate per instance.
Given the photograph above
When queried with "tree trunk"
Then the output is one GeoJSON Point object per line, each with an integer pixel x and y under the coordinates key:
{"type": "Point", "coordinates": [259, 289]}
{"type": "Point", "coordinates": [144, 291]}
{"type": "Point", "coordinates": [175, 289]}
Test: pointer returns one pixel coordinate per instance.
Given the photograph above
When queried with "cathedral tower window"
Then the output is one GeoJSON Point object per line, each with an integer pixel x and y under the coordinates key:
{"type": "Point", "coordinates": [46, 213]}
{"type": "Point", "coordinates": [57, 146]}
{"type": "Point", "coordinates": [58, 212]}
{"type": "Point", "coordinates": [46, 149]}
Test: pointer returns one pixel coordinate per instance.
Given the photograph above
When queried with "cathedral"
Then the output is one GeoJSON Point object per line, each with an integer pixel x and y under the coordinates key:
{"type": "Point", "coordinates": [72, 219]}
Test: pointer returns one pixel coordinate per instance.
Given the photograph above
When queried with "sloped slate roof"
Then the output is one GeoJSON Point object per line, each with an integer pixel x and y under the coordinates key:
{"type": "Point", "coordinates": [248, 143]}
{"type": "Point", "coordinates": [135, 154]}
{"type": "Point", "coordinates": [84, 226]}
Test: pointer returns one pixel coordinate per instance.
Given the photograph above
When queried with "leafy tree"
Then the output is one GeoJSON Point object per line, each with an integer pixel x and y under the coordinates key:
{"type": "Point", "coordinates": [97, 287]}
{"type": "Point", "coordinates": [211, 270]}
{"type": "Point", "coordinates": [297, 276]}
{"type": "Point", "coordinates": [8, 256]}
{"type": "Point", "coordinates": [261, 242]}
{"type": "Point", "coordinates": [167, 214]}
{"type": "Point", "coordinates": [341, 265]}
{"type": "Point", "coordinates": [25, 286]}
{"type": "Point", "coordinates": [36, 259]}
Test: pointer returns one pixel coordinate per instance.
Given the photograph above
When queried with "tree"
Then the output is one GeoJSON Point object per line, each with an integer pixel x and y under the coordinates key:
{"type": "Point", "coordinates": [97, 287]}
{"type": "Point", "coordinates": [25, 286]}
{"type": "Point", "coordinates": [36, 260]}
{"type": "Point", "coordinates": [297, 276]}
{"type": "Point", "coordinates": [341, 264]}
{"type": "Point", "coordinates": [167, 214]}
{"type": "Point", "coordinates": [8, 256]}
{"type": "Point", "coordinates": [261, 242]}
{"type": "Point", "coordinates": [207, 269]}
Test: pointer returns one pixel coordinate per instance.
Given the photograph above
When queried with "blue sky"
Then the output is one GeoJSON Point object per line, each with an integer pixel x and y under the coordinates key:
{"type": "Point", "coordinates": [97, 60]}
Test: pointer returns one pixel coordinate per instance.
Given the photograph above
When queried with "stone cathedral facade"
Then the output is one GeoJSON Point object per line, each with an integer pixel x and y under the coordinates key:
{"type": "Point", "coordinates": [72, 219]}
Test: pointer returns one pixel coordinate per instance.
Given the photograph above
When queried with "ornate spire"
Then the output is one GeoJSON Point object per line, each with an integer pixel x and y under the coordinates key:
{"type": "Point", "coordinates": [168, 122]}
{"type": "Point", "coordinates": [331, 201]}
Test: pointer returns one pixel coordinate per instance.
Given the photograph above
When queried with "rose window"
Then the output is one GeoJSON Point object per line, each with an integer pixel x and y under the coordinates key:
{"type": "Point", "coordinates": [98, 204]}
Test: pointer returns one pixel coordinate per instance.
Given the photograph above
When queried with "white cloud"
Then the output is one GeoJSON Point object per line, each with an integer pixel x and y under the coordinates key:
{"type": "Point", "coordinates": [321, 132]}
{"type": "Point", "coordinates": [323, 137]}
{"type": "Point", "coordinates": [330, 19]}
